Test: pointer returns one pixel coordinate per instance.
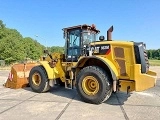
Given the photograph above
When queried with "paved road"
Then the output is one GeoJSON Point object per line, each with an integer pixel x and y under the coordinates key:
{"type": "Point", "coordinates": [65, 104]}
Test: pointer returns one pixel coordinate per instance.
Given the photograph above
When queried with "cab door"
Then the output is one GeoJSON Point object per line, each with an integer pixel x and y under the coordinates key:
{"type": "Point", "coordinates": [73, 45]}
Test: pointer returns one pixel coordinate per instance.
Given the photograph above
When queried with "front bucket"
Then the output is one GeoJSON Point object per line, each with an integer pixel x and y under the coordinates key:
{"type": "Point", "coordinates": [18, 77]}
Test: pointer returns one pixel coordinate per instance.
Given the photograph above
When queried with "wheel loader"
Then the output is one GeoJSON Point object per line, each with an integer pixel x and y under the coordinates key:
{"type": "Point", "coordinates": [95, 67]}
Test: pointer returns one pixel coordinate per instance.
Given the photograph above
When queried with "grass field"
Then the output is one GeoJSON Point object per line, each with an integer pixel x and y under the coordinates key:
{"type": "Point", "coordinates": [154, 62]}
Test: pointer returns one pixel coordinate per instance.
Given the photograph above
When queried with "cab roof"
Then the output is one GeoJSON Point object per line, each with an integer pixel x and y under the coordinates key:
{"type": "Point", "coordinates": [84, 26]}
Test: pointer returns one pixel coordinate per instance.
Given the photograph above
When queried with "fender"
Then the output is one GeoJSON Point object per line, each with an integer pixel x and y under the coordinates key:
{"type": "Point", "coordinates": [108, 63]}
{"type": "Point", "coordinates": [52, 73]}
{"type": "Point", "coordinates": [111, 67]}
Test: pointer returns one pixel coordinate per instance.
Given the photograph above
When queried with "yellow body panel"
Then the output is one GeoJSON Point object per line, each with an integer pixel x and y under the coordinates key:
{"type": "Point", "coordinates": [128, 72]}
{"type": "Point", "coordinates": [115, 42]}
{"type": "Point", "coordinates": [52, 73]}
{"type": "Point", "coordinates": [139, 81]}
{"type": "Point", "coordinates": [111, 66]}
{"type": "Point", "coordinates": [60, 70]}
{"type": "Point", "coordinates": [128, 58]}
{"type": "Point", "coordinates": [143, 81]}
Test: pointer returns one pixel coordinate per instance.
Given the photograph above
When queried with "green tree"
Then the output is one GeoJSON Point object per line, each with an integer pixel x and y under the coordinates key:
{"type": "Point", "coordinates": [57, 49]}
{"type": "Point", "coordinates": [32, 48]}
{"type": "Point", "coordinates": [11, 47]}
{"type": "Point", "coordinates": [154, 54]}
{"type": "Point", "coordinates": [2, 29]}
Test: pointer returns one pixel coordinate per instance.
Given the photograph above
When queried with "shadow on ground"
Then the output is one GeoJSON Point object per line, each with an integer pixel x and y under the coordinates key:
{"type": "Point", "coordinates": [116, 98]}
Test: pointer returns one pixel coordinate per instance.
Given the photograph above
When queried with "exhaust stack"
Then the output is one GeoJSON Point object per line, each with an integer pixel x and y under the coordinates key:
{"type": "Point", "coordinates": [109, 33]}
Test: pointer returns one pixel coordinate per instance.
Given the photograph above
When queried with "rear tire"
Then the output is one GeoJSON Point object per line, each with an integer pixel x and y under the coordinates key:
{"type": "Point", "coordinates": [93, 85]}
{"type": "Point", "coordinates": [38, 80]}
{"type": "Point", "coordinates": [146, 60]}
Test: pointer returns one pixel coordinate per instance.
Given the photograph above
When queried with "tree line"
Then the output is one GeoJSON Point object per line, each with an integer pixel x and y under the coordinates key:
{"type": "Point", "coordinates": [15, 48]}
{"type": "Point", "coordinates": [154, 54]}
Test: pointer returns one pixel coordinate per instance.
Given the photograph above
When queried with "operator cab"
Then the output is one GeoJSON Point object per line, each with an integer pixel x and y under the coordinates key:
{"type": "Point", "coordinates": [77, 38]}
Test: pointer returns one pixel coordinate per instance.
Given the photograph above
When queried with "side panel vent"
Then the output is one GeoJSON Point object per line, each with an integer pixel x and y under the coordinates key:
{"type": "Point", "coordinates": [119, 52]}
{"type": "Point", "coordinates": [122, 67]}
{"type": "Point", "coordinates": [120, 58]}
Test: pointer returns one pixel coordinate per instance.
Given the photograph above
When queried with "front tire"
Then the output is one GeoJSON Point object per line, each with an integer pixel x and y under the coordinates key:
{"type": "Point", "coordinates": [93, 85]}
{"type": "Point", "coordinates": [38, 80]}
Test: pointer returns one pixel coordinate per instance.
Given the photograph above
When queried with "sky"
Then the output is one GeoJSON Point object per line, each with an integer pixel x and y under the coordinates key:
{"type": "Point", "coordinates": [43, 20]}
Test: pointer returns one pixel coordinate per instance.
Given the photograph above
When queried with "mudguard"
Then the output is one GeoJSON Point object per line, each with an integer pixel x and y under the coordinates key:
{"type": "Point", "coordinates": [52, 73]}
{"type": "Point", "coordinates": [108, 63]}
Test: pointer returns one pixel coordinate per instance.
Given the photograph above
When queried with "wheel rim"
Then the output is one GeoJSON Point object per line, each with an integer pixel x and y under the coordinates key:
{"type": "Point", "coordinates": [90, 85]}
{"type": "Point", "coordinates": [36, 79]}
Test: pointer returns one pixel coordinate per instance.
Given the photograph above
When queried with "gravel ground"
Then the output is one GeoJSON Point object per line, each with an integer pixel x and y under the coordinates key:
{"type": "Point", "coordinates": [64, 104]}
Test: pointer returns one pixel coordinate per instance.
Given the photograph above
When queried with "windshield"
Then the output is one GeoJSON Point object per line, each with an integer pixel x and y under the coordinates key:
{"type": "Point", "coordinates": [88, 37]}
{"type": "Point", "coordinates": [74, 37]}
{"type": "Point", "coordinates": [74, 42]}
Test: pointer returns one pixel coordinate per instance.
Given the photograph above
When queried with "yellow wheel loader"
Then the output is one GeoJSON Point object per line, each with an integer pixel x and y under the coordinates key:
{"type": "Point", "coordinates": [95, 67]}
